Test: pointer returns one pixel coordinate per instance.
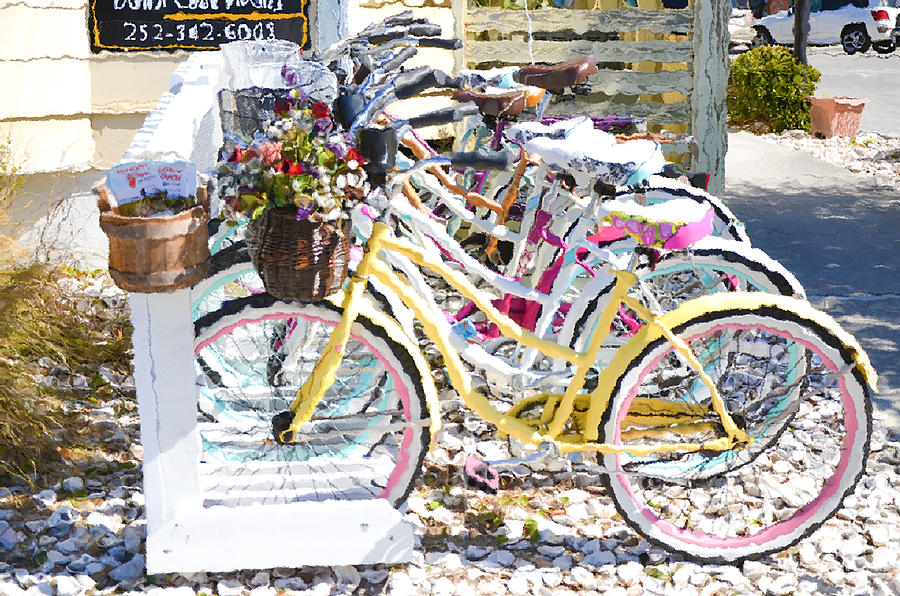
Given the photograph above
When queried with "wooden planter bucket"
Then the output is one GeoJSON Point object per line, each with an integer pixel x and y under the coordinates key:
{"type": "Point", "coordinates": [157, 254]}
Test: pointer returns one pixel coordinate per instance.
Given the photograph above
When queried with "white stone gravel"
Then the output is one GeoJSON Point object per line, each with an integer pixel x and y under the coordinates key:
{"type": "Point", "coordinates": [867, 153]}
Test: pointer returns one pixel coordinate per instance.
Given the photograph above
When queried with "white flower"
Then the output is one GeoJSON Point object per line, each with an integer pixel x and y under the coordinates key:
{"type": "Point", "coordinates": [273, 132]}
{"type": "Point", "coordinates": [340, 181]}
{"type": "Point", "coordinates": [327, 203]}
{"type": "Point", "coordinates": [333, 214]}
{"type": "Point", "coordinates": [352, 164]}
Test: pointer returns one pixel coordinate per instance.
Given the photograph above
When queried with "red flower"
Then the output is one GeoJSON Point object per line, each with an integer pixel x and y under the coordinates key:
{"type": "Point", "coordinates": [236, 156]}
{"type": "Point", "coordinates": [320, 110]}
{"type": "Point", "coordinates": [282, 107]}
{"type": "Point", "coordinates": [291, 168]}
{"type": "Point", "coordinates": [352, 154]}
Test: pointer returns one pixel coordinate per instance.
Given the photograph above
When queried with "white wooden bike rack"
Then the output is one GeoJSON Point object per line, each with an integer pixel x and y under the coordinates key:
{"type": "Point", "coordinates": [182, 534]}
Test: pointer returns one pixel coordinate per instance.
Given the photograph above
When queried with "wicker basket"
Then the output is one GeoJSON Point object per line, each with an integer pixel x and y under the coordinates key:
{"type": "Point", "coordinates": [298, 260]}
{"type": "Point", "coordinates": [156, 254]}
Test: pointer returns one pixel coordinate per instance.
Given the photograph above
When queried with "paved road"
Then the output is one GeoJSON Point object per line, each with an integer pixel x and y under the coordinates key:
{"type": "Point", "coordinates": [871, 75]}
{"type": "Point", "coordinates": [838, 233]}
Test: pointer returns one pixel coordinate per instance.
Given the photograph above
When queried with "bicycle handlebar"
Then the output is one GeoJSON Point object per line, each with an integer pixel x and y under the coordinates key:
{"type": "Point", "coordinates": [445, 116]}
{"type": "Point", "coordinates": [481, 161]}
{"type": "Point", "coordinates": [413, 82]}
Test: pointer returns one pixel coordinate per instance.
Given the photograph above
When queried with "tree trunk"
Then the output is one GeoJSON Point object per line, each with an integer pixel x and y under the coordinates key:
{"type": "Point", "coordinates": [801, 29]}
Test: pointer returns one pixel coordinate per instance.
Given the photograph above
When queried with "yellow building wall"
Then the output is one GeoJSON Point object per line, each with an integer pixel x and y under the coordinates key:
{"type": "Point", "coordinates": [62, 107]}
{"type": "Point", "coordinates": [66, 109]}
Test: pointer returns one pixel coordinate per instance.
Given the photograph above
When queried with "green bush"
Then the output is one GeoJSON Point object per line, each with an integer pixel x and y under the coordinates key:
{"type": "Point", "coordinates": [768, 85]}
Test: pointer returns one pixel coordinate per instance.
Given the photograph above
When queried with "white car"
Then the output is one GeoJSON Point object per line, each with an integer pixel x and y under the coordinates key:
{"type": "Point", "coordinates": [856, 24]}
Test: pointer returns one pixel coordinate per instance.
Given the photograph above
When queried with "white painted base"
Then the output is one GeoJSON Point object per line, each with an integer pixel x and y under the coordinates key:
{"type": "Point", "coordinates": [263, 536]}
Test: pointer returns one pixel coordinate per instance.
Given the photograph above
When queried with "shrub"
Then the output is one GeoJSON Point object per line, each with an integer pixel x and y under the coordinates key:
{"type": "Point", "coordinates": [39, 319]}
{"type": "Point", "coordinates": [768, 85]}
{"type": "Point", "coordinates": [10, 178]}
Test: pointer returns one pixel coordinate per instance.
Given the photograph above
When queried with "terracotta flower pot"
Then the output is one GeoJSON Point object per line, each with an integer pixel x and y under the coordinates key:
{"type": "Point", "coordinates": [835, 116]}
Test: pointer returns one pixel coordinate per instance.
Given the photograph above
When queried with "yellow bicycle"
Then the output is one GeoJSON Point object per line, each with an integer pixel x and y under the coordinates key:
{"type": "Point", "coordinates": [730, 427]}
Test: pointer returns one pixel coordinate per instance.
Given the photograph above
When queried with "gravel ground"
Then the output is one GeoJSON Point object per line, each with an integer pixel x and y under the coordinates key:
{"type": "Point", "coordinates": [867, 153]}
{"type": "Point", "coordinates": [549, 530]}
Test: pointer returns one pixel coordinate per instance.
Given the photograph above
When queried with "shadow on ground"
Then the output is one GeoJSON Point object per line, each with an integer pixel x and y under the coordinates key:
{"type": "Point", "coordinates": [838, 241]}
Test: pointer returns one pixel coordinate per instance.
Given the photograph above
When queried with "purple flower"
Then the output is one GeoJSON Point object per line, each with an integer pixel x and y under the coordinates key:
{"type": "Point", "coordinates": [289, 76]}
{"type": "Point", "coordinates": [322, 125]}
{"type": "Point", "coordinates": [304, 212]}
{"type": "Point", "coordinates": [337, 148]}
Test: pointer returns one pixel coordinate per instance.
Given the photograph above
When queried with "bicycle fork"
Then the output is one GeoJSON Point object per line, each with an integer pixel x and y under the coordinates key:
{"type": "Point", "coordinates": [287, 425]}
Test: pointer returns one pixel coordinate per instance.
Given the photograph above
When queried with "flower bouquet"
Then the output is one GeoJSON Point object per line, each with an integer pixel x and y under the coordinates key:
{"type": "Point", "coordinates": [297, 181]}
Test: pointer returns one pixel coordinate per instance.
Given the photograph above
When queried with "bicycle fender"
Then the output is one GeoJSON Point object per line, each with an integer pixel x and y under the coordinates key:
{"type": "Point", "coordinates": [756, 301]}
{"type": "Point", "coordinates": [394, 330]}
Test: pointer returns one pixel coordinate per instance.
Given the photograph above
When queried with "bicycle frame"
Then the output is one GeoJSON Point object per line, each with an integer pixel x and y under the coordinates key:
{"type": "Point", "coordinates": [382, 239]}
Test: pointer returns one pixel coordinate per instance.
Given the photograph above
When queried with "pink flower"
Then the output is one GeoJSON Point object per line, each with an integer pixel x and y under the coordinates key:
{"type": "Point", "coordinates": [270, 153]}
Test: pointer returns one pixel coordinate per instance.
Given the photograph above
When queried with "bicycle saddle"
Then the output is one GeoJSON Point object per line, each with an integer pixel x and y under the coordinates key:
{"type": "Point", "coordinates": [556, 77]}
{"type": "Point", "coordinates": [494, 103]}
{"type": "Point", "coordinates": [673, 224]}
{"type": "Point", "coordinates": [592, 154]}
{"type": "Point", "coordinates": [570, 129]}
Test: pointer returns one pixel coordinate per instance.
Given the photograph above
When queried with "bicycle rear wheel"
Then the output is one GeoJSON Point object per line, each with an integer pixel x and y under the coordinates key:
{"type": "Point", "coordinates": [368, 435]}
{"type": "Point", "coordinates": [811, 429]}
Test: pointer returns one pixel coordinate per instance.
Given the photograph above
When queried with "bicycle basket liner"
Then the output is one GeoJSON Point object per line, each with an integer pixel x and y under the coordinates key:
{"type": "Point", "coordinates": [298, 260]}
{"type": "Point", "coordinates": [259, 64]}
{"type": "Point", "coordinates": [245, 111]}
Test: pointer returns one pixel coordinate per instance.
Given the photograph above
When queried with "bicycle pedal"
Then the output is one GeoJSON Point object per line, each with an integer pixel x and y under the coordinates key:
{"type": "Point", "coordinates": [480, 475]}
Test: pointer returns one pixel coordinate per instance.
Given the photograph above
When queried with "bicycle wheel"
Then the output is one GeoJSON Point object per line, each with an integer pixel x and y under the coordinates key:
{"type": "Point", "coordinates": [231, 276]}
{"type": "Point", "coordinates": [811, 431]}
{"type": "Point", "coordinates": [367, 437]}
{"type": "Point", "coordinates": [660, 189]}
{"type": "Point", "coordinates": [714, 266]}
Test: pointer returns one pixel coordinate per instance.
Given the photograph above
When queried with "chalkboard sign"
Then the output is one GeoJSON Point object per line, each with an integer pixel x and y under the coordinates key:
{"type": "Point", "coordinates": [123, 25]}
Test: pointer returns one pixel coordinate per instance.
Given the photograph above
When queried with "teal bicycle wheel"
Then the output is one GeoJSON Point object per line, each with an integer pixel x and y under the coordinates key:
{"type": "Point", "coordinates": [367, 437]}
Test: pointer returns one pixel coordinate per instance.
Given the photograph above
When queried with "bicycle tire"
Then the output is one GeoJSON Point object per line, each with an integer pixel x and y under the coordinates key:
{"type": "Point", "coordinates": [660, 189]}
{"type": "Point", "coordinates": [367, 438]}
{"type": "Point", "coordinates": [764, 503]}
{"type": "Point", "coordinates": [682, 275]}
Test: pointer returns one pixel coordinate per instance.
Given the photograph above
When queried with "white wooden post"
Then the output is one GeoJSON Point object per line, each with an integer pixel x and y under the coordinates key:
{"type": "Point", "coordinates": [167, 403]}
{"type": "Point", "coordinates": [332, 21]}
{"type": "Point", "coordinates": [708, 112]}
{"type": "Point", "coordinates": [182, 534]}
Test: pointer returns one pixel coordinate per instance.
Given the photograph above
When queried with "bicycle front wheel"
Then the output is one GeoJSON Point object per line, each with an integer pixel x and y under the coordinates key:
{"type": "Point", "coordinates": [367, 437]}
{"type": "Point", "coordinates": [790, 383]}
